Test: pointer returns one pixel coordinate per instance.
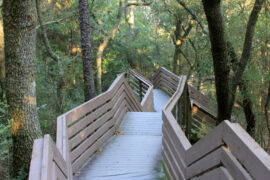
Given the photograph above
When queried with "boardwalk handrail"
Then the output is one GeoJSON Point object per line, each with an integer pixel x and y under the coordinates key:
{"type": "Point", "coordinates": [228, 151]}
{"type": "Point", "coordinates": [84, 129]}
{"type": "Point", "coordinates": [143, 88]}
{"type": "Point", "coordinates": [203, 111]}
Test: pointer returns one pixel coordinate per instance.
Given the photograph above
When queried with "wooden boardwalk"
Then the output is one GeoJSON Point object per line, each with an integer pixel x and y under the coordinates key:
{"type": "Point", "coordinates": [117, 136]}
{"type": "Point", "coordinates": [135, 153]}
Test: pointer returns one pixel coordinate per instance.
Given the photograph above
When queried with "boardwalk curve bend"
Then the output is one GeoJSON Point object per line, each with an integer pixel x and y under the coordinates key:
{"type": "Point", "coordinates": [124, 115]}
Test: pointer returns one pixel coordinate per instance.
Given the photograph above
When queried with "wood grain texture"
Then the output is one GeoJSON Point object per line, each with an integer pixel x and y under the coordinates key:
{"type": "Point", "coordinates": [134, 154]}
{"type": "Point", "coordinates": [228, 145]}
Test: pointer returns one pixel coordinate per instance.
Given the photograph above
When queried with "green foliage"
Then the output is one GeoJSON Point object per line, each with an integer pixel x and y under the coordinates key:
{"type": "Point", "coordinates": [5, 140]}
{"type": "Point", "coordinates": [149, 48]}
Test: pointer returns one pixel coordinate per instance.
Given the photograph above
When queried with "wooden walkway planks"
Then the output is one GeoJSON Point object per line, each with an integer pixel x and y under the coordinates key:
{"type": "Point", "coordinates": [135, 153]}
{"type": "Point", "coordinates": [160, 99]}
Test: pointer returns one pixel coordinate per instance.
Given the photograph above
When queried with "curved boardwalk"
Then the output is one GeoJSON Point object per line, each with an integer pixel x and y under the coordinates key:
{"type": "Point", "coordinates": [135, 153]}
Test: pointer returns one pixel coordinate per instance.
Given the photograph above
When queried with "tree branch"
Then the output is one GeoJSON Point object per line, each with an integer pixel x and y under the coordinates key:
{"type": "Point", "coordinates": [44, 34]}
{"type": "Point", "coordinates": [138, 4]}
{"type": "Point", "coordinates": [194, 16]}
{"type": "Point", "coordinates": [248, 41]}
{"type": "Point", "coordinates": [104, 44]}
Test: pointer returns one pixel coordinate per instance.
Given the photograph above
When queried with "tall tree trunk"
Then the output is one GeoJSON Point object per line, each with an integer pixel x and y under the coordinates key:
{"type": "Point", "coordinates": [225, 86]}
{"type": "Point", "coordinates": [20, 19]}
{"type": "Point", "coordinates": [89, 84]}
{"type": "Point", "coordinates": [103, 45]}
{"type": "Point", "coordinates": [219, 52]}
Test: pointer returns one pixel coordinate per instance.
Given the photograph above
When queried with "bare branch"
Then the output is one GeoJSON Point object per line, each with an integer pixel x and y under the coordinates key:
{"type": "Point", "coordinates": [194, 16]}
{"type": "Point", "coordinates": [139, 4]}
{"type": "Point", "coordinates": [44, 34]}
{"type": "Point", "coordinates": [248, 41]}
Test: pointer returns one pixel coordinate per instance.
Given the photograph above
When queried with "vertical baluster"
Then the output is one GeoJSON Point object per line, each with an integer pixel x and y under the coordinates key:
{"type": "Point", "coordinates": [141, 93]}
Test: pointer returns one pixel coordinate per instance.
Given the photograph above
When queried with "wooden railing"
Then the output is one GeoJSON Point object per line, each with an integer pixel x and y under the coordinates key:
{"type": "Point", "coordinates": [227, 152]}
{"type": "Point", "coordinates": [47, 163]}
{"type": "Point", "coordinates": [203, 117]}
{"type": "Point", "coordinates": [84, 129]}
{"type": "Point", "coordinates": [165, 80]}
{"type": "Point", "coordinates": [143, 88]}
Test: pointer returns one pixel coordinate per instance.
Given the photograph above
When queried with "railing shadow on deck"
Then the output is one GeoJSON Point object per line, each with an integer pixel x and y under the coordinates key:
{"type": "Point", "coordinates": [227, 152]}
{"type": "Point", "coordinates": [84, 129]}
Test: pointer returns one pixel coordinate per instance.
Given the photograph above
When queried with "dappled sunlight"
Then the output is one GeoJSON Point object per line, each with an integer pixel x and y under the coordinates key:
{"type": "Point", "coordinates": [30, 100]}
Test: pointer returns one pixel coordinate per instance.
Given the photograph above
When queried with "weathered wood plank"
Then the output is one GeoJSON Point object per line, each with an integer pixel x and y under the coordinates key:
{"type": "Point", "coordinates": [204, 164]}
{"type": "Point", "coordinates": [47, 160]}
{"type": "Point", "coordinates": [84, 157]}
{"type": "Point", "coordinates": [78, 151]}
{"type": "Point", "coordinates": [178, 168]}
{"type": "Point", "coordinates": [175, 150]}
{"type": "Point", "coordinates": [169, 165]}
{"type": "Point", "coordinates": [36, 160]}
{"type": "Point", "coordinates": [97, 123]}
{"type": "Point", "coordinates": [233, 166]}
{"type": "Point", "coordinates": [205, 145]}
{"type": "Point", "coordinates": [219, 173]}
{"type": "Point", "coordinates": [244, 147]}
{"type": "Point", "coordinates": [169, 133]}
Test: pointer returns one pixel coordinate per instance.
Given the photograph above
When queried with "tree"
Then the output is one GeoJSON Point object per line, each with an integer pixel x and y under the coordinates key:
{"type": "Point", "coordinates": [104, 44]}
{"type": "Point", "coordinates": [247, 103]}
{"type": "Point", "coordinates": [56, 58]}
{"type": "Point", "coordinates": [89, 84]}
{"type": "Point", "coordinates": [225, 85]}
{"type": "Point", "coordinates": [20, 19]}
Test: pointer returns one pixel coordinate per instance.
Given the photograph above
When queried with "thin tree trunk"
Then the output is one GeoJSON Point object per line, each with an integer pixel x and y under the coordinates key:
{"type": "Point", "coordinates": [248, 110]}
{"type": "Point", "coordinates": [103, 45]}
{"type": "Point", "coordinates": [178, 41]}
{"type": "Point", "coordinates": [176, 58]}
{"type": "Point", "coordinates": [2, 60]}
{"type": "Point", "coordinates": [56, 58]}
{"type": "Point", "coordinates": [20, 19]}
{"type": "Point", "coordinates": [267, 118]}
{"type": "Point", "coordinates": [129, 13]}
{"type": "Point", "coordinates": [89, 84]}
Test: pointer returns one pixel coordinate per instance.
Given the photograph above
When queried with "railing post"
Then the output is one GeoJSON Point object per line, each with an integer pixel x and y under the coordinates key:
{"type": "Point", "coordinates": [187, 111]}
{"type": "Point", "coordinates": [179, 113]}
{"type": "Point", "coordinates": [141, 94]}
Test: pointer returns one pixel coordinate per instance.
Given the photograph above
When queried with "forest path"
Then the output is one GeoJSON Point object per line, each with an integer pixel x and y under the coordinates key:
{"type": "Point", "coordinates": [135, 153]}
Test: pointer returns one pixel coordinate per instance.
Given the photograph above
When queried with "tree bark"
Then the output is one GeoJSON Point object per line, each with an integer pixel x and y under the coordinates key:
{"type": "Point", "coordinates": [103, 45]}
{"type": "Point", "coordinates": [20, 19]}
{"type": "Point", "coordinates": [89, 83]}
{"type": "Point", "coordinates": [219, 52]}
{"type": "Point", "coordinates": [226, 87]}
{"type": "Point", "coordinates": [248, 110]}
